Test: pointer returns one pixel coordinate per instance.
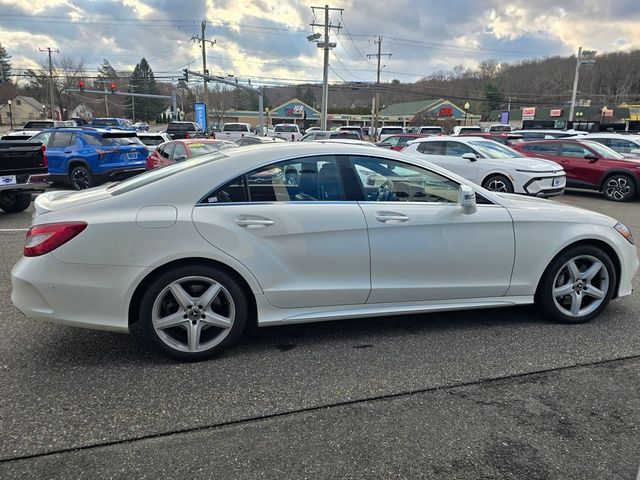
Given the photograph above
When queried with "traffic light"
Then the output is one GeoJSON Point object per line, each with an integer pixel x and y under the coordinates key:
{"type": "Point", "coordinates": [113, 87]}
{"type": "Point", "coordinates": [81, 85]}
{"type": "Point", "coordinates": [186, 74]}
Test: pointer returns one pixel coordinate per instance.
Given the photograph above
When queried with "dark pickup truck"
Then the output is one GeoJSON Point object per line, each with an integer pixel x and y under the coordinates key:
{"type": "Point", "coordinates": [23, 171]}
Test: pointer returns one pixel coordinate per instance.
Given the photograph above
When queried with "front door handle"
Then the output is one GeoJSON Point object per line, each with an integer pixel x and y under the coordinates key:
{"type": "Point", "coordinates": [253, 222]}
{"type": "Point", "coordinates": [391, 217]}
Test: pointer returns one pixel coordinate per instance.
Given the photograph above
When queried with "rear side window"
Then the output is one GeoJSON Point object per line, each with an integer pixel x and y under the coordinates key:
{"type": "Point", "coordinates": [90, 139]}
{"type": "Point", "coordinates": [43, 137]}
{"type": "Point", "coordinates": [431, 148]}
{"type": "Point", "coordinates": [542, 148]}
{"type": "Point", "coordinates": [62, 139]}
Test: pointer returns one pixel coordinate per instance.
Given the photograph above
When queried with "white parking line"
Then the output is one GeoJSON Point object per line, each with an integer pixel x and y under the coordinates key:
{"type": "Point", "coordinates": [9, 230]}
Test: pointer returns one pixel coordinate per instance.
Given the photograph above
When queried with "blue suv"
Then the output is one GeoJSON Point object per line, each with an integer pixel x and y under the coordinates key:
{"type": "Point", "coordinates": [85, 156]}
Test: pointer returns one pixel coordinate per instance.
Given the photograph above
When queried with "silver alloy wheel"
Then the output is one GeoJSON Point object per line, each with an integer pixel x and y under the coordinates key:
{"type": "Point", "coordinates": [80, 179]}
{"type": "Point", "coordinates": [617, 188]}
{"type": "Point", "coordinates": [193, 314]}
{"type": "Point", "coordinates": [580, 286]}
{"type": "Point", "coordinates": [498, 185]}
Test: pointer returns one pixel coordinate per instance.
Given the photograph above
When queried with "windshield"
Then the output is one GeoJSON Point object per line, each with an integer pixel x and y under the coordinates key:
{"type": "Point", "coordinates": [104, 122]}
{"type": "Point", "coordinates": [181, 127]}
{"type": "Point", "coordinates": [494, 149]}
{"type": "Point", "coordinates": [500, 128]}
{"type": "Point", "coordinates": [431, 130]}
{"type": "Point", "coordinates": [603, 150]}
{"type": "Point", "coordinates": [156, 174]}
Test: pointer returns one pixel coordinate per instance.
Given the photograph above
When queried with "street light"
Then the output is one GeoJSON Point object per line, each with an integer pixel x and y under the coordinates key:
{"type": "Point", "coordinates": [466, 112]}
{"type": "Point", "coordinates": [585, 57]}
{"type": "Point", "coordinates": [10, 114]}
{"type": "Point", "coordinates": [579, 116]}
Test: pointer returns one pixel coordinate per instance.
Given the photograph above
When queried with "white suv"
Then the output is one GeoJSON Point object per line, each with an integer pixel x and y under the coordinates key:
{"type": "Point", "coordinates": [492, 165]}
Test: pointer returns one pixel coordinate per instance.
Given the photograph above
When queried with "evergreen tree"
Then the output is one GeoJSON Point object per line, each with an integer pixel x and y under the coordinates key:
{"type": "Point", "coordinates": [493, 96]}
{"type": "Point", "coordinates": [143, 81]}
{"type": "Point", "coordinates": [5, 65]}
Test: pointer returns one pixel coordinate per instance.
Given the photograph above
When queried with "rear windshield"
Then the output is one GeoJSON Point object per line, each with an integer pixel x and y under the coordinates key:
{"type": "Point", "coordinates": [120, 139]}
{"type": "Point", "coordinates": [286, 128]}
{"type": "Point", "coordinates": [345, 134]}
{"type": "Point", "coordinates": [38, 125]}
{"type": "Point", "coordinates": [235, 127]}
{"type": "Point", "coordinates": [152, 141]}
{"type": "Point", "coordinates": [182, 127]}
{"type": "Point", "coordinates": [431, 130]}
{"type": "Point", "coordinates": [156, 174]}
{"type": "Point", "coordinates": [387, 130]}
{"type": "Point", "coordinates": [105, 122]}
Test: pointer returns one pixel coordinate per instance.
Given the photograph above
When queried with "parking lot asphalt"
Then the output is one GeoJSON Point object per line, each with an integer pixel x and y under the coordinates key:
{"type": "Point", "coordinates": [499, 393]}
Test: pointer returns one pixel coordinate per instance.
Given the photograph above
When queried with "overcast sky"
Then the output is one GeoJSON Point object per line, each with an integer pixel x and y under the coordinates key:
{"type": "Point", "coordinates": [266, 39]}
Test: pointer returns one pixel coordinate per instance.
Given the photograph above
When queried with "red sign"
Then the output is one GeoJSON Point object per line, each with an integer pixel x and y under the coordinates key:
{"type": "Point", "coordinates": [445, 112]}
{"type": "Point", "coordinates": [555, 112]}
{"type": "Point", "coordinates": [295, 110]}
{"type": "Point", "coordinates": [608, 113]}
{"type": "Point", "coordinates": [529, 112]}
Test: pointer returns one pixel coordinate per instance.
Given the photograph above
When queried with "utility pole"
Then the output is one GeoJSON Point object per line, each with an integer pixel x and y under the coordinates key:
{"type": "Point", "coordinates": [203, 41]}
{"type": "Point", "coordinates": [379, 55]}
{"type": "Point", "coordinates": [52, 104]}
{"type": "Point", "coordinates": [326, 46]}
{"type": "Point", "coordinates": [585, 57]}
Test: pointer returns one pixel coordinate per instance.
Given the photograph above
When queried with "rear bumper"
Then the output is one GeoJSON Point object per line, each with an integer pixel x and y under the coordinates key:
{"type": "Point", "coordinates": [88, 296]}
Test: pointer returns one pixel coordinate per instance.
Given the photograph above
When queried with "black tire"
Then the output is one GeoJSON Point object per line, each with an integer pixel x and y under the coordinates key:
{"type": "Point", "coordinates": [81, 178]}
{"type": "Point", "coordinates": [619, 188]}
{"type": "Point", "coordinates": [12, 202]}
{"type": "Point", "coordinates": [173, 341]}
{"type": "Point", "coordinates": [498, 183]}
{"type": "Point", "coordinates": [558, 275]}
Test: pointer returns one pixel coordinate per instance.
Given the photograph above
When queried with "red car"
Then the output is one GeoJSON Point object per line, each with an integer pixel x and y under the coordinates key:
{"type": "Point", "coordinates": [180, 150]}
{"type": "Point", "coordinates": [398, 142]}
{"type": "Point", "coordinates": [590, 165]}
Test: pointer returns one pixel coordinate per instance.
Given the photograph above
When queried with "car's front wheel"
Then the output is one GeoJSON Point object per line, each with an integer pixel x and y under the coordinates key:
{"type": "Point", "coordinates": [577, 285]}
{"type": "Point", "coordinates": [81, 178]}
{"type": "Point", "coordinates": [498, 183]}
{"type": "Point", "coordinates": [193, 312]}
{"type": "Point", "coordinates": [619, 188]}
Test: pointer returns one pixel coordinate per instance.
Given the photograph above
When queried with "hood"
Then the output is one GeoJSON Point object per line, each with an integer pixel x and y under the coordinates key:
{"type": "Point", "coordinates": [555, 209]}
{"type": "Point", "coordinates": [532, 164]}
{"type": "Point", "coordinates": [60, 199]}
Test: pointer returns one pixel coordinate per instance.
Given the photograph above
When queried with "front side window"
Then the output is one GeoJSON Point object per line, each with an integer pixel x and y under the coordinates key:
{"type": "Point", "coordinates": [180, 152]}
{"type": "Point", "coordinates": [386, 180]}
{"type": "Point", "coordinates": [393, 141]}
{"type": "Point", "coordinates": [574, 150]}
{"type": "Point", "coordinates": [457, 149]}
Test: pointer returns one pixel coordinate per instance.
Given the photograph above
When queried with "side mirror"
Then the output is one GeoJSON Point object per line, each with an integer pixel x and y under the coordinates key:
{"type": "Point", "coordinates": [180, 158]}
{"type": "Point", "coordinates": [467, 199]}
{"type": "Point", "coordinates": [472, 157]}
{"type": "Point", "coordinates": [591, 157]}
{"type": "Point", "coordinates": [635, 151]}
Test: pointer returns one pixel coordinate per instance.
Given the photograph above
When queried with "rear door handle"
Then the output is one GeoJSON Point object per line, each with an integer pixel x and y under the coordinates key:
{"type": "Point", "coordinates": [68, 151]}
{"type": "Point", "coordinates": [391, 217]}
{"type": "Point", "coordinates": [253, 222]}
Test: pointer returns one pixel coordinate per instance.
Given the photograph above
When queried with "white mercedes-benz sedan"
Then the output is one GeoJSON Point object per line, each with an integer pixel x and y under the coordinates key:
{"type": "Point", "coordinates": [494, 166]}
{"type": "Point", "coordinates": [190, 254]}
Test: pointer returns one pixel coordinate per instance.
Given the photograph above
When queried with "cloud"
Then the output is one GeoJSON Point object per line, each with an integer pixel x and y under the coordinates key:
{"type": "Point", "coordinates": [267, 39]}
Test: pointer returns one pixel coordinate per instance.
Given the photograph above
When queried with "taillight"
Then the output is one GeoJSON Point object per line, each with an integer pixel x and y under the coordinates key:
{"type": "Point", "coordinates": [213, 134]}
{"type": "Point", "coordinates": [45, 159]}
{"type": "Point", "coordinates": [186, 135]}
{"type": "Point", "coordinates": [149, 162]}
{"type": "Point", "coordinates": [47, 237]}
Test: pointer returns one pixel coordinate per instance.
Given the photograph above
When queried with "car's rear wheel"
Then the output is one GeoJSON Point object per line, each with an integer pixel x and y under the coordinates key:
{"type": "Point", "coordinates": [12, 202]}
{"type": "Point", "coordinates": [577, 285]}
{"type": "Point", "coordinates": [498, 183]}
{"type": "Point", "coordinates": [193, 312]}
{"type": "Point", "coordinates": [619, 188]}
{"type": "Point", "coordinates": [81, 178]}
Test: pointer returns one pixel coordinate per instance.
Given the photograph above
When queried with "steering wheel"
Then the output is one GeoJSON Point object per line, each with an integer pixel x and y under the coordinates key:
{"type": "Point", "coordinates": [385, 191]}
